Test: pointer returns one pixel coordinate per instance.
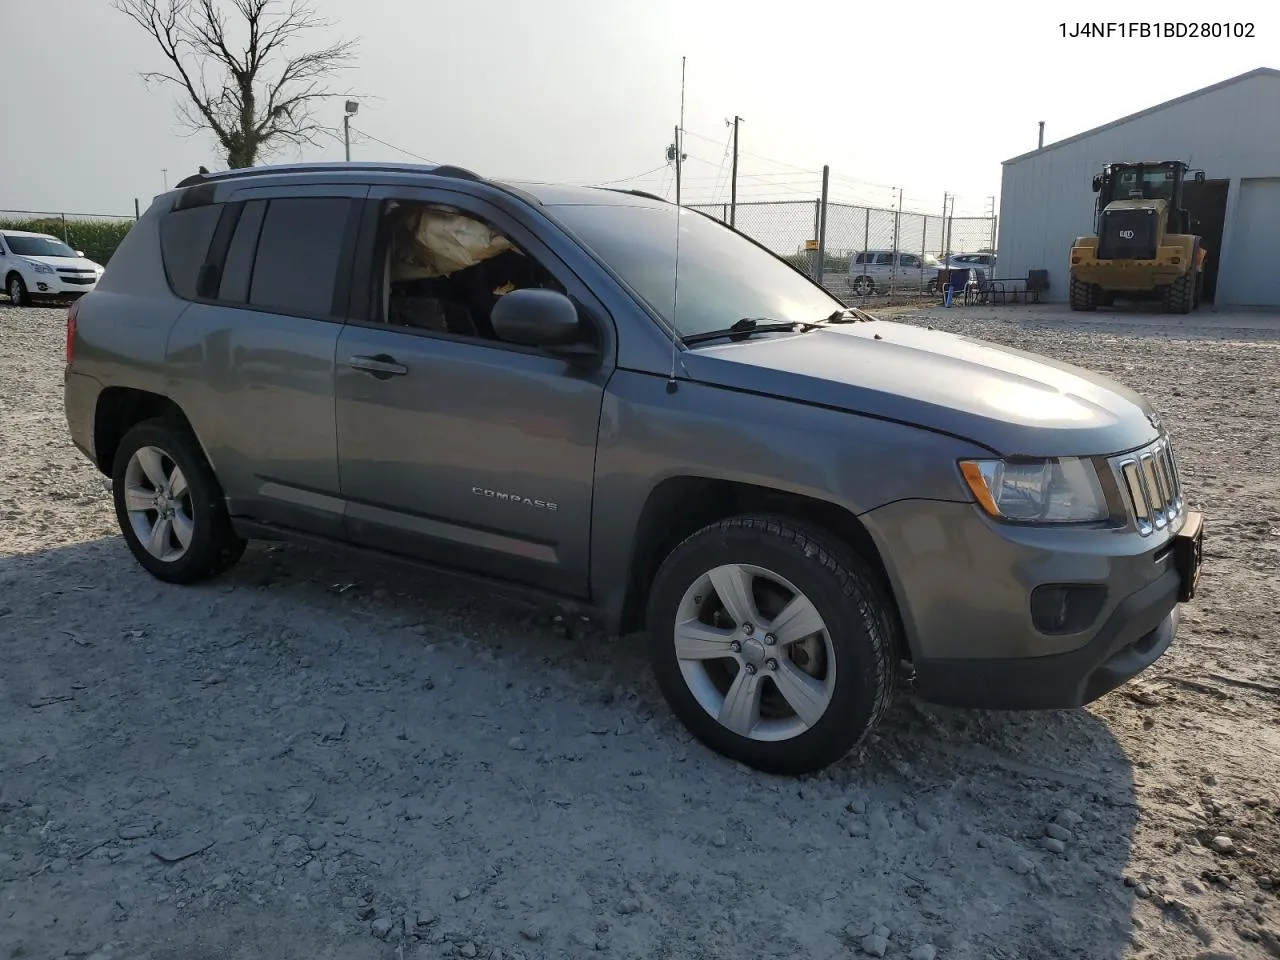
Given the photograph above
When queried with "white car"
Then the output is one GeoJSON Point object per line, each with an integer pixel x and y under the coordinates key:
{"type": "Point", "coordinates": [882, 271]}
{"type": "Point", "coordinates": [36, 266]}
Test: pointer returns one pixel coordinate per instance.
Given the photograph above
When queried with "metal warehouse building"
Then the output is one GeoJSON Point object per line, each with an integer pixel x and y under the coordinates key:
{"type": "Point", "coordinates": [1230, 130]}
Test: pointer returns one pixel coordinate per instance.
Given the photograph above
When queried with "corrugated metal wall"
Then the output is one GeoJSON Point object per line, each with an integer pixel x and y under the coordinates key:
{"type": "Point", "coordinates": [1232, 133]}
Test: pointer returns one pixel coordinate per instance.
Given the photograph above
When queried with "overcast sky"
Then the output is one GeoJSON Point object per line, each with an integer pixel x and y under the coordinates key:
{"type": "Point", "coordinates": [929, 97]}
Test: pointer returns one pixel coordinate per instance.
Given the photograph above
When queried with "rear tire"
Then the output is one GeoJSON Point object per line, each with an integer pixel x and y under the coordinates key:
{"type": "Point", "coordinates": [1082, 295]}
{"type": "Point", "coordinates": [17, 291]}
{"type": "Point", "coordinates": [170, 506]}
{"type": "Point", "coordinates": [1179, 296]}
{"type": "Point", "coordinates": [838, 659]}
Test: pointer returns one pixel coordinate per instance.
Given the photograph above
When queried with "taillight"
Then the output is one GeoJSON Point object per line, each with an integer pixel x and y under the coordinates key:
{"type": "Point", "coordinates": [71, 329]}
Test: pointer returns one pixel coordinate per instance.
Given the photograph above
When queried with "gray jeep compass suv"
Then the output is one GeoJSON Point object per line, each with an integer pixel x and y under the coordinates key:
{"type": "Point", "coordinates": [518, 384]}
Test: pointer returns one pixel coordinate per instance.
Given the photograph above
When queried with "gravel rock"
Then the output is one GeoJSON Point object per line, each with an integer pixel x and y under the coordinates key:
{"type": "Point", "coordinates": [874, 946]}
{"type": "Point", "coordinates": [719, 839]}
{"type": "Point", "coordinates": [135, 831]}
{"type": "Point", "coordinates": [534, 931]}
{"type": "Point", "coordinates": [1021, 866]}
{"type": "Point", "coordinates": [1053, 845]}
{"type": "Point", "coordinates": [462, 893]}
{"type": "Point", "coordinates": [1068, 819]}
{"type": "Point", "coordinates": [382, 928]}
{"type": "Point", "coordinates": [1222, 844]}
{"type": "Point", "coordinates": [628, 906]}
{"type": "Point", "coordinates": [925, 952]}
{"type": "Point", "coordinates": [467, 949]}
{"type": "Point", "coordinates": [515, 743]}
{"type": "Point", "coordinates": [1058, 832]}
{"type": "Point", "coordinates": [366, 912]}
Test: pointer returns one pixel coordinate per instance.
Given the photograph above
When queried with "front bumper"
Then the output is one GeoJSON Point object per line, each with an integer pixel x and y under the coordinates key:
{"type": "Point", "coordinates": [60, 287]}
{"type": "Point", "coordinates": [1136, 636]}
{"type": "Point", "coordinates": [964, 587]}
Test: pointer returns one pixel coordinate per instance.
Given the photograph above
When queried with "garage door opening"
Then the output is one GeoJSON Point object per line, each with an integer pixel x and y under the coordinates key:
{"type": "Point", "coordinates": [1207, 203]}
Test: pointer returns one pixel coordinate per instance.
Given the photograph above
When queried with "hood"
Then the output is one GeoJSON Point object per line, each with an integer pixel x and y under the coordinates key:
{"type": "Point", "coordinates": [66, 263]}
{"type": "Point", "coordinates": [1012, 402]}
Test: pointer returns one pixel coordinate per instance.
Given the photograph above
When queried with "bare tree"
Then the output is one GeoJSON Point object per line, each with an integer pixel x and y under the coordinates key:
{"type": "Point", "coordinates": [243, 82]}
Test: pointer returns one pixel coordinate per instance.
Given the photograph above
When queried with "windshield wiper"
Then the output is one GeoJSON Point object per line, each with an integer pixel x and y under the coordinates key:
{"type": "Point", "coordinates": [746, 327]}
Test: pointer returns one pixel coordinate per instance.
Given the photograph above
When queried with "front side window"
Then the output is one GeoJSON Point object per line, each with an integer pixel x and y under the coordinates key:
{"type": "Point", "coordinates": [38, 247]}
{"type": "Point", "coordinates": [723, 276]}
{"type": "Point", "coordinates": [910, 260]}
{"type": "Point", "coordinates": [299, 251]}
{"type": "Point", "coordinates": [437, 269]}
{"type": "Point", "coordinates": [884, 259]}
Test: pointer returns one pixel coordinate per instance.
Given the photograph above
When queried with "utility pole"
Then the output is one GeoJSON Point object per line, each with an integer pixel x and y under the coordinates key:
{"type": "Point", "coordinates": [822, 229]}
{"type": "Point", "coordinates": [1041, 146]}
{"type": "Point", "coordinates": [351, 108]}
{"type": "Point", "coordinates": [733, 183]}
{"type": "Point", "coordinates": [165, 174]}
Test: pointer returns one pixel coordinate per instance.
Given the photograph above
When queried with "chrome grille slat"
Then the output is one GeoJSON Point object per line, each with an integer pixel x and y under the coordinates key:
{"type": "Point", "coordinates": [1150, 478]}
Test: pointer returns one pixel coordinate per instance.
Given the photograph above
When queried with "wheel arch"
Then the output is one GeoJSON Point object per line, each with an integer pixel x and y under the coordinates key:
{"type": "Point", "coordinates": [679, 506]}
{"type": "Point", "coordinates": [118, 410]}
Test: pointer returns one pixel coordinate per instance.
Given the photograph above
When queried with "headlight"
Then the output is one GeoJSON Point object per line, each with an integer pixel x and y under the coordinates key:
{"type": "Point", "coordinates": [38, 267]}
{"type": "Point", "coordinates": [1037, 491]}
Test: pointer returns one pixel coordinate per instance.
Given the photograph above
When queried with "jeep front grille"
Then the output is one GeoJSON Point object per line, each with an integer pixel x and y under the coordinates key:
{"type": "Point", "coordinates": [1150, 479]}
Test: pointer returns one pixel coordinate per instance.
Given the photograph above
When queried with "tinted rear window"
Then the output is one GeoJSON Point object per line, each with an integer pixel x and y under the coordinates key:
{"type": "Point", "coordinates": [298, 254]}
{"type": "Point", "coordinates": [238, 267]}
{"type": "Point", "coordinates": [184, 242]}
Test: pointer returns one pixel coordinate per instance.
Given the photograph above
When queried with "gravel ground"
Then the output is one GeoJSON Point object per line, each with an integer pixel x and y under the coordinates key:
{"type": "Point", "coordinates": [316, 757]}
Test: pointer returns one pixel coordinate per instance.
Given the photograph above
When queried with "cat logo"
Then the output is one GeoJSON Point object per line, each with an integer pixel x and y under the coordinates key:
{"type": "Point", "coordinates": [1126, 234]}
{"type": "Point", "coordinates": [514, 498]}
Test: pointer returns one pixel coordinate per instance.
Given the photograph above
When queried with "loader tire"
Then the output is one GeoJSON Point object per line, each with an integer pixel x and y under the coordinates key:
{"type": "Point", "coordinates": [1179, 296]}
{"type": "Point", "coordinates": [1082, 295]}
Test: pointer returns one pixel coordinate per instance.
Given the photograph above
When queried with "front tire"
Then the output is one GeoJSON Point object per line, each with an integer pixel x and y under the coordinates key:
{"type": "Point", "coordinates": [772, 645]}
{"type": "Point", "coordinates": [17, 291]}
{"type": "Point", "coordinates": [169, 505]}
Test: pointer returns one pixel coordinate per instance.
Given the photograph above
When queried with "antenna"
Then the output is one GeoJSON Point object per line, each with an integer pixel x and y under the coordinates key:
{"type": "Point", "coordinates": [675, 283]}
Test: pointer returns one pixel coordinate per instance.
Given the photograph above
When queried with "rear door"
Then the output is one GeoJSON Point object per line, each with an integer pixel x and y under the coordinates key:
{"type": "Point", "coordinates": [454, 446]}
{"type": "Point", "coordinates": [253, 357]}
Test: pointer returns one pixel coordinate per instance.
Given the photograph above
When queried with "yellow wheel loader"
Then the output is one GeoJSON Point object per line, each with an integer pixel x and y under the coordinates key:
{"type": "Point", "coordinates": [1143, 247]}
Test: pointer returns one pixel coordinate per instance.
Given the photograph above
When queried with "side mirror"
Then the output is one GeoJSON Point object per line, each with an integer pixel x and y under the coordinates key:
{"type": "Point", "coordinates": [1097, 184]}
{"type": "Point", "coordinates": [541, 318]}
{"type": "Point", "coordinates": [1199, 176]}
{"type": "Point", "coordinates": [79, 253]}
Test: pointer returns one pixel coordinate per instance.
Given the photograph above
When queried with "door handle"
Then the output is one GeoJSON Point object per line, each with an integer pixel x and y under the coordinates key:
{"type": "Point", "coordinates": [381, 366]}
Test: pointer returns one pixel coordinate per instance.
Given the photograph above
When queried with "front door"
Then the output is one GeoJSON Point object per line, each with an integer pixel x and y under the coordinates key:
{"type": "Point", "coordinates": [453, 446]}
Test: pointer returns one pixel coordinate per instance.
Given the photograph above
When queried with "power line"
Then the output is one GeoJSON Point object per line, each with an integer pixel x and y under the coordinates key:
{"type": "Point", "coordinates": [392, 146]}
{"type": "Point", "coordinates": [638, 176]}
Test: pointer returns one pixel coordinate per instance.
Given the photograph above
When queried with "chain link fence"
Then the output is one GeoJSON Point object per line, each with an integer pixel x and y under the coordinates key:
{"type": "Point", "coordinates": [96, 234]}
{"type": "Point", "coordinates": [871, 253]}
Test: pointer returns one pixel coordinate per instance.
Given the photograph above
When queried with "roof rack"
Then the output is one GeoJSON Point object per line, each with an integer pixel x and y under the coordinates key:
{"type": "Point", "coordinates": [441, 170]}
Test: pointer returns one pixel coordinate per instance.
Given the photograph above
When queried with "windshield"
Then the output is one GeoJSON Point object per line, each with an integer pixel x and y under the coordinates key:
{"type": "Point", "coordinates": [723, 277]}
{"type": "Point", "coordinates": [37, 246]}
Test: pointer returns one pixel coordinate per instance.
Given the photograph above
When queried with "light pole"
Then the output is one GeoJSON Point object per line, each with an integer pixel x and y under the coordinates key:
{"type": "Point", "coordinates": [352, 108]}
